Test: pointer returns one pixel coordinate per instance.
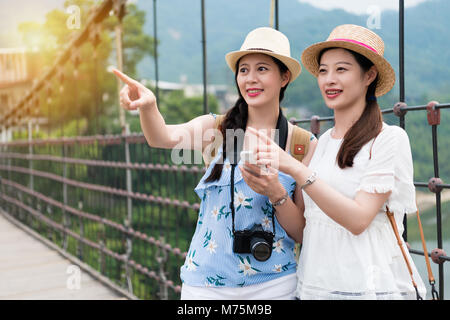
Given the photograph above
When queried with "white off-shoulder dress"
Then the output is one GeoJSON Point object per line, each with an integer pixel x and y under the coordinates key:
{"type": "Point", "coordinates": [336, 264]}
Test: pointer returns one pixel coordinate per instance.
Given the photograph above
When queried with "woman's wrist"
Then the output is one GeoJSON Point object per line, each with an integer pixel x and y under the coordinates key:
{"type": "Point", "coordinates": [301, 173]}
{"type": "Point", "coordinates": [277, 194]}
{"type": "Point", "coordinates": [148, 106]}
{"type": "Point", "coordinates": [292, 165]}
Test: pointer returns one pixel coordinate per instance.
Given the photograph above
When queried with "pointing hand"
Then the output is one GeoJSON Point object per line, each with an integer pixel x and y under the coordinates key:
{"type": "Point", "coordinates": [134, 95]}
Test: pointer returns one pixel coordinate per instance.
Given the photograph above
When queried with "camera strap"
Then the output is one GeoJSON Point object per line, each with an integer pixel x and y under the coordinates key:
{"type": "Point", "coordinates": [281, 138]}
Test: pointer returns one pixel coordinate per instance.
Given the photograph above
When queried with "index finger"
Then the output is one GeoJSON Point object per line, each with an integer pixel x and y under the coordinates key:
{"type": "Point", "coordinates": [261, 135]}
{"type": "Point", "coordinates": [122, 76]}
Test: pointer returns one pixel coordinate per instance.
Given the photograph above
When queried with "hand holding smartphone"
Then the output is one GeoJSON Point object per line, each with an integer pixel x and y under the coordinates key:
{"type": "Point", "coordinates": [249, 156]}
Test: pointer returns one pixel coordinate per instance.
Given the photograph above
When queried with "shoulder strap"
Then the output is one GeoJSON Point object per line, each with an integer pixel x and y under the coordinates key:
{"type": "Point", "coordinates": [211, 150]}
{"type": "Point", "coordinates": [300, 142]}
{"type": "Point", "coordinates": [390, 216]}
{"type": "Point", "coordinates": [434, 293]}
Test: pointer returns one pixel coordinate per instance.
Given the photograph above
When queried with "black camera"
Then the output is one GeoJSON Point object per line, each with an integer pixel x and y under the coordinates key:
{"type": "Point", "coordinates": [255, 241]}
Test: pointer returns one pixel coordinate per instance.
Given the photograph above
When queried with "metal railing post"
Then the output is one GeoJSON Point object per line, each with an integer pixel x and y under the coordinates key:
{"type": "Point", "coordinates": [129, 220]}
{"type": "Point", "coordinates": [161, 258]}
{"type": "Point", "coordinates": [434, 118]}
{"type": "Point", "coordinates": [80, 251]}
{"type": "Point", "coordinates": [277, 27]}
{"type": "Point", "coordinates": [155, 45]}
{"type": "Point", "coordinates": [30, 152]}
{"type": "Point", "coordinates": [119, 9]}
{"type": "Point", "coordinates": [65, 218]}
{"type": "Point", "coordinates": [205, 69]}
{"type": "Point", "coordinates": [401, 57]}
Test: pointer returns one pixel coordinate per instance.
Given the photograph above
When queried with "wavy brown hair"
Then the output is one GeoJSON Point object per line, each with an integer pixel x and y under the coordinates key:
{"type": "Point", "coordinates": [369, 124]}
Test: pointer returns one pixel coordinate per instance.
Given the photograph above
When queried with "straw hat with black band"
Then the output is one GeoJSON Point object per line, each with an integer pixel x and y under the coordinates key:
{"type": "Point", "coordinates": [267, 41]}
{"type": "Point", "coordinates": [357, 39]}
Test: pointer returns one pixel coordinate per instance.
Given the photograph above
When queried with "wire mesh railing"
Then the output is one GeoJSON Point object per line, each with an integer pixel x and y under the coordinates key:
{"type": "Point", "coordinates": [111, 201]}
{"type": "Point", "coordinates": [73, 191]}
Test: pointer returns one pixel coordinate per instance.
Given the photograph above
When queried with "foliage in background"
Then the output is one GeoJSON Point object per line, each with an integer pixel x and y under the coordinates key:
{"type": "Point", "coordinates": [91, 97]}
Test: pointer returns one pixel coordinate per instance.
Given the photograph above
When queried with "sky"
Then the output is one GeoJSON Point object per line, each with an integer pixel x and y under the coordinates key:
{"type": "Point", "coordinates": [360, 6]}
{"type": "Point", "coordinates": [14, 12]}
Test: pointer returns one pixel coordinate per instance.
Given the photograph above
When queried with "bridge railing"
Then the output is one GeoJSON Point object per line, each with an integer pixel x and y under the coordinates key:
{"type": "Point", "coordinates": [76, 192]}
{"type": "Point", "coordinates": [126, 209]}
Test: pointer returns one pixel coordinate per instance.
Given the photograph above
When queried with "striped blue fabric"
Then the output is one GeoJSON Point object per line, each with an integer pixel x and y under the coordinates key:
{"type": "Point", "coordinates": [211, 260]}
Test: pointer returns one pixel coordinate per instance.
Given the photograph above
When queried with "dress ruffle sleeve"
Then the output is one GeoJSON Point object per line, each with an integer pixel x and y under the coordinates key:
{"type": "Point", "coordinates": [379, 176]}
{"type": "Point", "coordinates": [390, 168]}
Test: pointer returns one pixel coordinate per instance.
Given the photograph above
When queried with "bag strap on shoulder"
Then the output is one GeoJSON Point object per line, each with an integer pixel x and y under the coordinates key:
{"type": "Point", "coordinates": [431, 280]}
{"type": "Point", "coordinates": [390, 216]}
{"type": "Point", "coordinates": [300, 140]}
{"type": "Point", "coordinates": [211, 150]}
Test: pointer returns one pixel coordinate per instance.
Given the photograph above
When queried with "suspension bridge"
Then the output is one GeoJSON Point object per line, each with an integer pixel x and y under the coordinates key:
{"type": "Point", "coordinates": [105, 216]}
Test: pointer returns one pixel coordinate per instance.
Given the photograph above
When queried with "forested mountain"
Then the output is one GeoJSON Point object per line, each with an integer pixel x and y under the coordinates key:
{"type": "Point", "coordinates": [427, 55]}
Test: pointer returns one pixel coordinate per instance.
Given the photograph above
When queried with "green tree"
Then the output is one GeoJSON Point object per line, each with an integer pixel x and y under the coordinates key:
{"type": "Point", "coordinates": [91, 97]}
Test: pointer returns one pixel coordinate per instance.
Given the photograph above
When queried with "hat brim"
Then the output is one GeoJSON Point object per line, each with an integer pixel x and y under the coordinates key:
{"type": "Point", "coordinates": [292, 64]}
{"type": "Point", "coordinates": [386, 74]}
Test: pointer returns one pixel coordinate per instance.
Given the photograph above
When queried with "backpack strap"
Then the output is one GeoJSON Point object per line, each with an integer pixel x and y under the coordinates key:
{"type": "Point", "coordinates": [300, 140]}
{"type": "Point", "coordinates": [211, 150]}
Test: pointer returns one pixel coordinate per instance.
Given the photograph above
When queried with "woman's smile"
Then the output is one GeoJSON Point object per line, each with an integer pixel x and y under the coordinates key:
{"type": "Point", "coordinates": [333, 93]}
{"type": "Point", "coordinates": [254, 92]}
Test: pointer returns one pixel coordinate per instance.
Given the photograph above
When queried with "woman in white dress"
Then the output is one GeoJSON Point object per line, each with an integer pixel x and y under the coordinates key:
{"type": "Point", "coordinates": [361, 167]}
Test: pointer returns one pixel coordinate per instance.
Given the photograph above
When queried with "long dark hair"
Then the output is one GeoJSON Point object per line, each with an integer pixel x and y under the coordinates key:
{"type": "Point", "coordinates": [369, 123]}
{"type": "Point", "coordinates": [236, 118]}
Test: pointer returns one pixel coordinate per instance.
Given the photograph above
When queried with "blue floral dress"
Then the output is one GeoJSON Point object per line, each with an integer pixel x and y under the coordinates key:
{"type": "Point", "coordinates": [211, 260]}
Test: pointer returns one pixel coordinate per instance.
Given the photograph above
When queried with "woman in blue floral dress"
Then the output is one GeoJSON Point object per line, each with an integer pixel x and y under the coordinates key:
{"type": "Point", "coordinates": [214, 267]}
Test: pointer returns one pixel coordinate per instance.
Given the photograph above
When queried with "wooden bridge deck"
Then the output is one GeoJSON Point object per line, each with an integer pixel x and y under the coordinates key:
{"type": "Point", "coordinates": [30, 270]}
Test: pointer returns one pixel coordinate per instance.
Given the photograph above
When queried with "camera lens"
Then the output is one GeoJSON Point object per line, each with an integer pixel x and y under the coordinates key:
{"type": "Point", "coordinates": [261, 250]}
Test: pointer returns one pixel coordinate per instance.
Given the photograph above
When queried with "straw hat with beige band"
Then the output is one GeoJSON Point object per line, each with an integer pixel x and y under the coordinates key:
{"type": "Point", "coordinates": [360, 40]}
{"type": "Point", "coordinates": [267, 41]}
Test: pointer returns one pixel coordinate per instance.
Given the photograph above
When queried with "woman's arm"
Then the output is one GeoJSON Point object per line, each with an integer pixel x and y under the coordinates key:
{"type": "Point", "coordinates": [293, 220]}
{"type": "Point", "coordinates": [189, 135]}
{"type": "Point", "coordinates": [353, 214]}
{"type": "Point", "coordinates": [290, 213]}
